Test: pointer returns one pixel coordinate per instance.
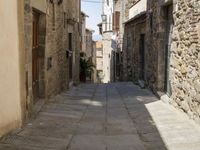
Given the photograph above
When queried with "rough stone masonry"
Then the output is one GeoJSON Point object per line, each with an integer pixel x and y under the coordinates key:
{"type": "Point", "coordinates": [185, 57]}
{"type": "Point", "coordinates": [184, 52]}
{"type": "Point", "coordinates": [172, 52]}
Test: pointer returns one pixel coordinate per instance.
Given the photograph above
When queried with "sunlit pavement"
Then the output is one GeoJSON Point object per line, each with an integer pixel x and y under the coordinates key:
{"type": "Point", "coordinates": [118, 116]}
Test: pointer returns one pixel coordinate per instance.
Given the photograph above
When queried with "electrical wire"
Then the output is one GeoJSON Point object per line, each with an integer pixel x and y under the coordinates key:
{"type": "Point", "coordinates": [94, 1]}
{"type": "Point", "coordinates": [90, 1]}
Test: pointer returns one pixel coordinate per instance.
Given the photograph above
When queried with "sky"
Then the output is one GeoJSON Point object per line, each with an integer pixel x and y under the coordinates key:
{"type": "Point", "coordinates": [93, 10]}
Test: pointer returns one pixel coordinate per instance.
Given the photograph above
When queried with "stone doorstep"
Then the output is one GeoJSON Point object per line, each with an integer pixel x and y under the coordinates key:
{"type": "Point", "coordinates": [71, 84]}
{"type": "Point", "coordinates": [141, 84]}
{"type": "Point", "coordinates": [37, 107]}
{"type": "Point", "coordinates": [165, 98]}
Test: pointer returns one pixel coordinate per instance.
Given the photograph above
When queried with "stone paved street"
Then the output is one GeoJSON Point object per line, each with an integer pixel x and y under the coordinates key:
{"type": "Point", "coordinates": [118, 116]}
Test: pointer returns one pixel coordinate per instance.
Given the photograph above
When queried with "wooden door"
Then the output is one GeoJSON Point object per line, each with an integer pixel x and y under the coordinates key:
{"type": "Point", "coordinates": [70, 57]}
{"type": "Point", "coordinates": [35, 56]}
{"type": "Point", "coordinates": [142, 56]}
{"type": "Point", "coordinates": [168, 41]}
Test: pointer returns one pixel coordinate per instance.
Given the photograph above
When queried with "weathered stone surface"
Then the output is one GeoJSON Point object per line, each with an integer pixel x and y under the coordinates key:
{"type": "Point", "coordinates": [53, 45]}
{"type": "Point", "coordinates": [186, 31]}
{"type": "Point", "coordinates": [172, 58]}
{"type": "Point", "coordinates": [125, 118]}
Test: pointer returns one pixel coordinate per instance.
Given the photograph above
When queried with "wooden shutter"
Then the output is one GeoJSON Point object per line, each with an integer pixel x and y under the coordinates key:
{"type": "Point", "coordinates": [113, 21]}
{"type": "Point", "coordinates": [116, 20]}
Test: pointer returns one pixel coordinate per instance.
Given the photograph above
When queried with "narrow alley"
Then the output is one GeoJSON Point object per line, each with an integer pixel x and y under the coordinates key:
{"type": "Point", "coordinates": [117, 116]}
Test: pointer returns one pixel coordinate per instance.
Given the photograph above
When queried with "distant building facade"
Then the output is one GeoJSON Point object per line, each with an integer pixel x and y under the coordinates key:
{"type": "Point", "coordinates": [134, 41]}
{"type": "Point", "coordinates": [89, 42]}
{"type": "Point", "coordinates": [119, 18]}
{"type": "Point", "coordinates": [99, 61]}
{"type": "Point", "coordinates": [83, 32]}
{"type": "Point", "coordinates": [107, 40]}
{"type": "Point", "coordinates": [94, 57]}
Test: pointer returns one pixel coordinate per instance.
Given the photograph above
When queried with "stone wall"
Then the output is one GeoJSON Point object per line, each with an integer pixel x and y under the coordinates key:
{"type": "Point", "coordinates": [83, 32]}
{"type": "Point", "coordinates": [172, 59]}
{"type": "Point", "coordinates": [89, 44]}
{"type": "Point", "coordinates": [182, 40]}
{"type": "Point", "coordinates": [127, 53]}
{"type": "Point", "coordinates": [155, 76]}
{"type": "Point", "coordinates": [56, 76]}
{"type": "Point", "coordinates": [28, 55]}
{"type": "Point", "coordinates": [54, 25]}
{"type": "Point", "coordinates": [185, 58]}
{"type": "Point", "coordinates": [133, 31]}
{"type": "Point", "coordinates": [120, 6]}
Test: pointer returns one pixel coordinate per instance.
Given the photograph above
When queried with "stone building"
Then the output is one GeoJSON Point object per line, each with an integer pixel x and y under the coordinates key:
{"type": "Point", "coordinates": [182, 55]}
{"type": "Point", "coordinates": [83, 32]}
{"type": "Point", "coordinates": [119, 18]}
{"type": "Point", "coordinates": [47, 59]}
{"type": "Point", "coordinates": [52, 47]}
{"type": "Point", "coordinates": [89, 42]}
{"type": "Point", "coordinates": [169, 58]}
{"type": "Point", "coordinates": [94, 73]}
{"type": "Point", "coordinates": [112, 29]}
{"type": "Point", "coordinates": [134, 45]}
{"type": "Point", "coordinates": [90, 51]}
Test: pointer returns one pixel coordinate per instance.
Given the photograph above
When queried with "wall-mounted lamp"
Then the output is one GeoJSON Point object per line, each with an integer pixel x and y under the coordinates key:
{"type": "Point", "coordinates": [56, 1]}
{"type": "Point", "coordinates": [149, 13]}
{"type": "Point", "coordinates": [104, 18]}
{"type": "Point", "coordinates": [49, 63]}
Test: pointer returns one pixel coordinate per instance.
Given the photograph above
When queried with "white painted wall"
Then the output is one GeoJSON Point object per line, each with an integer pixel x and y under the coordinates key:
{"type": "Point", "coordinates": [107, 53]}
{"type": "Point", "coordinates": [107, 10]}
{"type": "Point", "coordinates": [10, 99]}
{"type": "Point", "coordinates": [107, 33]}
{"type": "Point", "coordinates": [138, 8]}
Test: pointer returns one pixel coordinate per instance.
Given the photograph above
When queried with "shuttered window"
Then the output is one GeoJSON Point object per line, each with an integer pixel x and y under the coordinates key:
{"type": "Point", "coordinates": [116, 20]}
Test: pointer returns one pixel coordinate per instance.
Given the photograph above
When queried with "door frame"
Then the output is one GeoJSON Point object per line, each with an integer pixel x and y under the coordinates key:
{"type": "Point", "coordinates": [35, 56]}
{"type": "Point", "coordinates": [142, 57]}
{"type": "Point", "coordinates": [169, 28]}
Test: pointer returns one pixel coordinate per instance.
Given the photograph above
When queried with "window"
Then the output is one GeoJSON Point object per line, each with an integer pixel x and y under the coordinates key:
{"type": "Point", "coordinates": [109, 22]}
{"type": "Point", "coordinates": [151, 22]}
{"type": "Point", "coordinates": [54, 17]}
{"type": "Point", "coordinates": [116, 20]}
{"type": "Point", "coordinates": [106, 24]}
{"type": "Point", "coordinates": [64, 21]}
{"type": "Point", "coordinates": [70, 38]}
{"type": "Point", "coordinates": [108, 2]}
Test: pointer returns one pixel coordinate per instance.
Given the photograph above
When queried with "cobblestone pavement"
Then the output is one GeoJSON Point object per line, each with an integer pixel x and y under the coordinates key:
{"type": "Point", "coordinates": [118, 116]}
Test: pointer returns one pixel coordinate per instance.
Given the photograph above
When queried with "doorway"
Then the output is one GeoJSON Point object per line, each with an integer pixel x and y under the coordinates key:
{"type": "Point", "coordinates": [142, 56]}
{"type": "Point", "coordinates": [168, 40]}
{"type": "Point", "coordinates": [35, 56]}
{"type": "Point", "coordinates": [70, 56]}
{"type": "Point", "coordinates": [38, 55]}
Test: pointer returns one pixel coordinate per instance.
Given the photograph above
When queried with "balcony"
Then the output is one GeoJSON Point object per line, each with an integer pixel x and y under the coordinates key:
{"type": "Point", "coordinates": [137, 8]}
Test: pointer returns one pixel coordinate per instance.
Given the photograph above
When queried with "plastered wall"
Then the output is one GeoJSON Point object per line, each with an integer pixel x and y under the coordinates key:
{"type": "Point", "coordinates": [10, 94]}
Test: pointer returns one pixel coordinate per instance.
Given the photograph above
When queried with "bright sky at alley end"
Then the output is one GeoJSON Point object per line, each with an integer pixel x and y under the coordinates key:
{"type": "Point", "coordinates": [93, 8]}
